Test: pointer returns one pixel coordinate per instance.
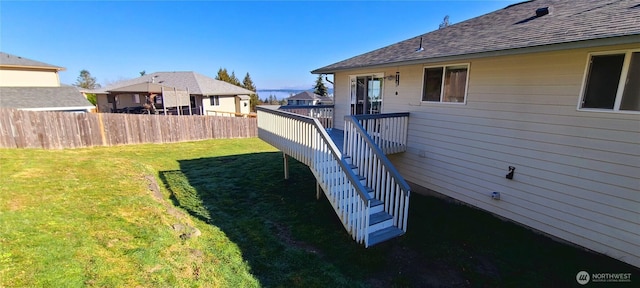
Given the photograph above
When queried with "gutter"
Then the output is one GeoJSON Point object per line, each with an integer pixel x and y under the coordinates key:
{"type": "Point", "coordinates": [619, 40]}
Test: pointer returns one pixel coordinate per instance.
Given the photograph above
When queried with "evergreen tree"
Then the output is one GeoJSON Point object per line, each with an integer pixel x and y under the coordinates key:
{"type": "Point", "coordinates": [320, 89]}
{"type": "Point", "coordinates": [273, 100]}
{"type": "Point", "coordinates": [223, 75]}
{"type": "Point", "coordinates": [247, 83]}
{"type": "Point", "coordinates": [234, 80]}
{"type": "Point", "coordinates": [86, 81]}
{"type": "Point", "coordinates": [92, 98]}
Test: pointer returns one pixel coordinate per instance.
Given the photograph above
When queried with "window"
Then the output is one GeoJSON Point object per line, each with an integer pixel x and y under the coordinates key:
{"type": "Point", "coordinates": [612, 82]}
{"type": "Point", "coordinates": [214, 100]}
{"type": "Point", "coordinates": [136, 98]}
{"type": "Point", "coordinates": [366, 93]}
{"type": "Point", "coordinates": [445, 83]}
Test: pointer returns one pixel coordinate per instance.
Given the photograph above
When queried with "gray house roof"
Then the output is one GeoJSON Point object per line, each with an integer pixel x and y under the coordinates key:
{"type": "Point", "coordinates": [306, 95]}
{"type": "Point", "coordinates": [146, 87]}
{"type": "Point", "coordinates": [9, 60]}
{"type": "Point", "coordinates": [197, 84]}
{"type": "Point", "coordinates": [63, 98]}
{"type": "Point", "coordinates": [513, 30]}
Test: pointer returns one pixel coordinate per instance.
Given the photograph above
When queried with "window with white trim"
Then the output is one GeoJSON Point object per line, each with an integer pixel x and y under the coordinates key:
{"type": "Point", "coordinates": [214, 100]}
{"type": "Point", "coordinates": [612, 82]}
{"type": "Point", "coordinates": [445, 83]}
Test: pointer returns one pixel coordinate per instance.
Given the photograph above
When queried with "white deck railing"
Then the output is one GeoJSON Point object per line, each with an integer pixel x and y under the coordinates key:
{"type": "Point", "coordinates": [388, 131]}
{"type": "Point", "coordinates": [389, 187]}
{"type": "Point", "coordinates": [324, 113]}
{"type": "Point", "coordinates": [306, 140]}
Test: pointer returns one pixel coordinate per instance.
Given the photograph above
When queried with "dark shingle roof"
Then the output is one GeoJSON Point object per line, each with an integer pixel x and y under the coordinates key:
{"type": "Point", "coordinates": [43, 98]}
{"type": "Point", "coordinates": [197, 83]}
{"type": "Point", "coordinates": [306, 95]}
{"type": "Point", "coordinates": [7, 59]}
{"type": "Point", "coordinates": [513, 27]}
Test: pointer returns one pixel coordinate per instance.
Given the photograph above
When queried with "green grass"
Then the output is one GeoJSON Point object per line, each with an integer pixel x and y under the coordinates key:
{"type": "Point", "coordinates": [86, 217]}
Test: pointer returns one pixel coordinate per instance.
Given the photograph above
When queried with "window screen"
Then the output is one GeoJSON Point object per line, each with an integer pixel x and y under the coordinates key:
{"type": "Point", "coordinates": [602, 84]}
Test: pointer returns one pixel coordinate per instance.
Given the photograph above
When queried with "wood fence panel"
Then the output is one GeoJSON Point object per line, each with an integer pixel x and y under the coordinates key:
{"type": "Point", "coordinates": [60, 130]}
{"type": "Point", "coordinates": [6, 132]}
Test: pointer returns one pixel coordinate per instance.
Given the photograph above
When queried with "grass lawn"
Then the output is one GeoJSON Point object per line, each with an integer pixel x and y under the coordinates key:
{"type": "Point", "coordinates": [87, 217]}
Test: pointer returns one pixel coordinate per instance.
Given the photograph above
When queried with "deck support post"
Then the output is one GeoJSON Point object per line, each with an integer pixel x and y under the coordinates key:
{"type": "Point", "coordinates": [317, 190]}
{"type": "Point", "coordinates": [286, 166]}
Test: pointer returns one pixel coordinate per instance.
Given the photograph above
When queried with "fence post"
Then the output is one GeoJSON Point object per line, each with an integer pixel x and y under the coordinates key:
{"type": "Point", "coordinates": [286, 165]}
{"type": "Point", "coordinates": [102, 133]}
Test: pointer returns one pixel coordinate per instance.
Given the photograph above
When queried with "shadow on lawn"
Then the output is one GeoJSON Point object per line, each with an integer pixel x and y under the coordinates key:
{"type": "Point", "coordinates": [291, 239]}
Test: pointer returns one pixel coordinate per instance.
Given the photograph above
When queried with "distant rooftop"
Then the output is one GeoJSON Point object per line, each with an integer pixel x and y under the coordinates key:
{"type": "Point", "coordinates": [196, 83]}
{"type": "Point", "coordinates": [9, 60]}
{"type": "Point", "coordinates": [44, 98]}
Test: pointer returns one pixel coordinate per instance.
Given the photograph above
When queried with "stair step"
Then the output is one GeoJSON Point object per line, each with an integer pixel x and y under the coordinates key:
{"type": "Point", "coordinates": [375, 202]}
{"type": "Point", "coordinates": [376, 218]}
{"type": "Point", "coordinates": [384, 235]}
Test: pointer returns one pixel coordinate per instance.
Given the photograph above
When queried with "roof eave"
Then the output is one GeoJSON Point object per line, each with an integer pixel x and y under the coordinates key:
{"type": "Point", "coordinates": [56, 68]}
{"type": "Point", "coordinates": [617, 40]}
{"type": "Point", "coordinates": [67, 108]}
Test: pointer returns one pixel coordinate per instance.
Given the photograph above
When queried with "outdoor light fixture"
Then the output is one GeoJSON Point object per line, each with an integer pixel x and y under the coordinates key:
{"type": "Point", "coordinates": [511, 171]}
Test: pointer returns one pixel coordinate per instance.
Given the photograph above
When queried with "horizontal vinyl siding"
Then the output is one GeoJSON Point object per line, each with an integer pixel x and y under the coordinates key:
{"type": "Point", "coordinates": [226, 104]}
{"type": "Point", "coordinates": [21, 78]}
{"type": "Point", "coordinates": [341, 99]}
{"type": "Point", "coordinates": [577, 172]}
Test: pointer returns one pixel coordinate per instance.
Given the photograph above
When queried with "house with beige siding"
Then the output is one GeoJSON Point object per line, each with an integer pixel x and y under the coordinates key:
{"type": "Point", "coordinates": [531, 112]}
{"type": "Point", "coordinates": [28, 84]}
{"type": "Point", "coordinates": [308, 98]}
{"type": "Point", "coordinates": [182, 92]}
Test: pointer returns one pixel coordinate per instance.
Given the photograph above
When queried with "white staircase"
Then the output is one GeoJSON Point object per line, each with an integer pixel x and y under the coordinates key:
{"type": "Point", "coordinates": [366, 192]}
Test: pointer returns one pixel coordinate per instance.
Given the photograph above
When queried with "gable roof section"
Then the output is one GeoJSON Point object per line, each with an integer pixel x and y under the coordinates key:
{"type": "Point", "coordinates": [306, 95]}
{"type": "Point", "coordinates": [44, 98]}
{"type": "Point", "coordinates": [196, 83]}
{"type": "Point", "coordinates": [146, 87]}
{"type": "Point", "coordinates": [13, 61]}
{"type": "Point", "coordinates": [512, 28]}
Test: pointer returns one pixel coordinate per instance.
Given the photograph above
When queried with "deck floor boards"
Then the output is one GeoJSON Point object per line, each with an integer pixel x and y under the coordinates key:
{"type": "Point", "coordinates": [337, 136]}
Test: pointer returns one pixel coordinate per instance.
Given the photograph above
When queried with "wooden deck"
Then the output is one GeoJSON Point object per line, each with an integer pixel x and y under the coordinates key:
{"type": "Point", "coordinates": [369, 196]}
{"type": "Point", "coordinates": [337, 136]}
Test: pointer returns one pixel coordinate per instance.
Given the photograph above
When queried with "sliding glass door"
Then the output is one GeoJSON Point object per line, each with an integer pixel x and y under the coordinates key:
{"type": "Point", "coordinates": [366, 94]}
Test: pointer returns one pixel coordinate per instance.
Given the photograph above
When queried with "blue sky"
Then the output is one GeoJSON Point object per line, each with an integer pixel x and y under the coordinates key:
{"type": "Point", "coordinates": [278, 43]}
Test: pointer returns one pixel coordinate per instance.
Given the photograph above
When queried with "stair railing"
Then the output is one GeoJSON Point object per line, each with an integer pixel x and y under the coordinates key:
{"type": "Point", "coordinates": [306, 140]}
{"type": "Point", "coordinates": [389, 131]}
{"type": "Point", "coordinates": [381, 176]}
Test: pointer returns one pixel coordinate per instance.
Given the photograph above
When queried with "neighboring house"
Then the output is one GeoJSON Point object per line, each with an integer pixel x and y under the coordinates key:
{"type": "Point", "coordinates": [32, 85]}
{"type": "Point", "coordinates": [546, 93]}
{"type": "Point", "coordinates": [308, 98]}
{"type": "Point", "coordinates": [194, 92]}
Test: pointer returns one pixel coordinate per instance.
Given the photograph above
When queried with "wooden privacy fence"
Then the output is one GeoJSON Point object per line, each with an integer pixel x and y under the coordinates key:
{"type": "Point", "coordinates": [59, 130]}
